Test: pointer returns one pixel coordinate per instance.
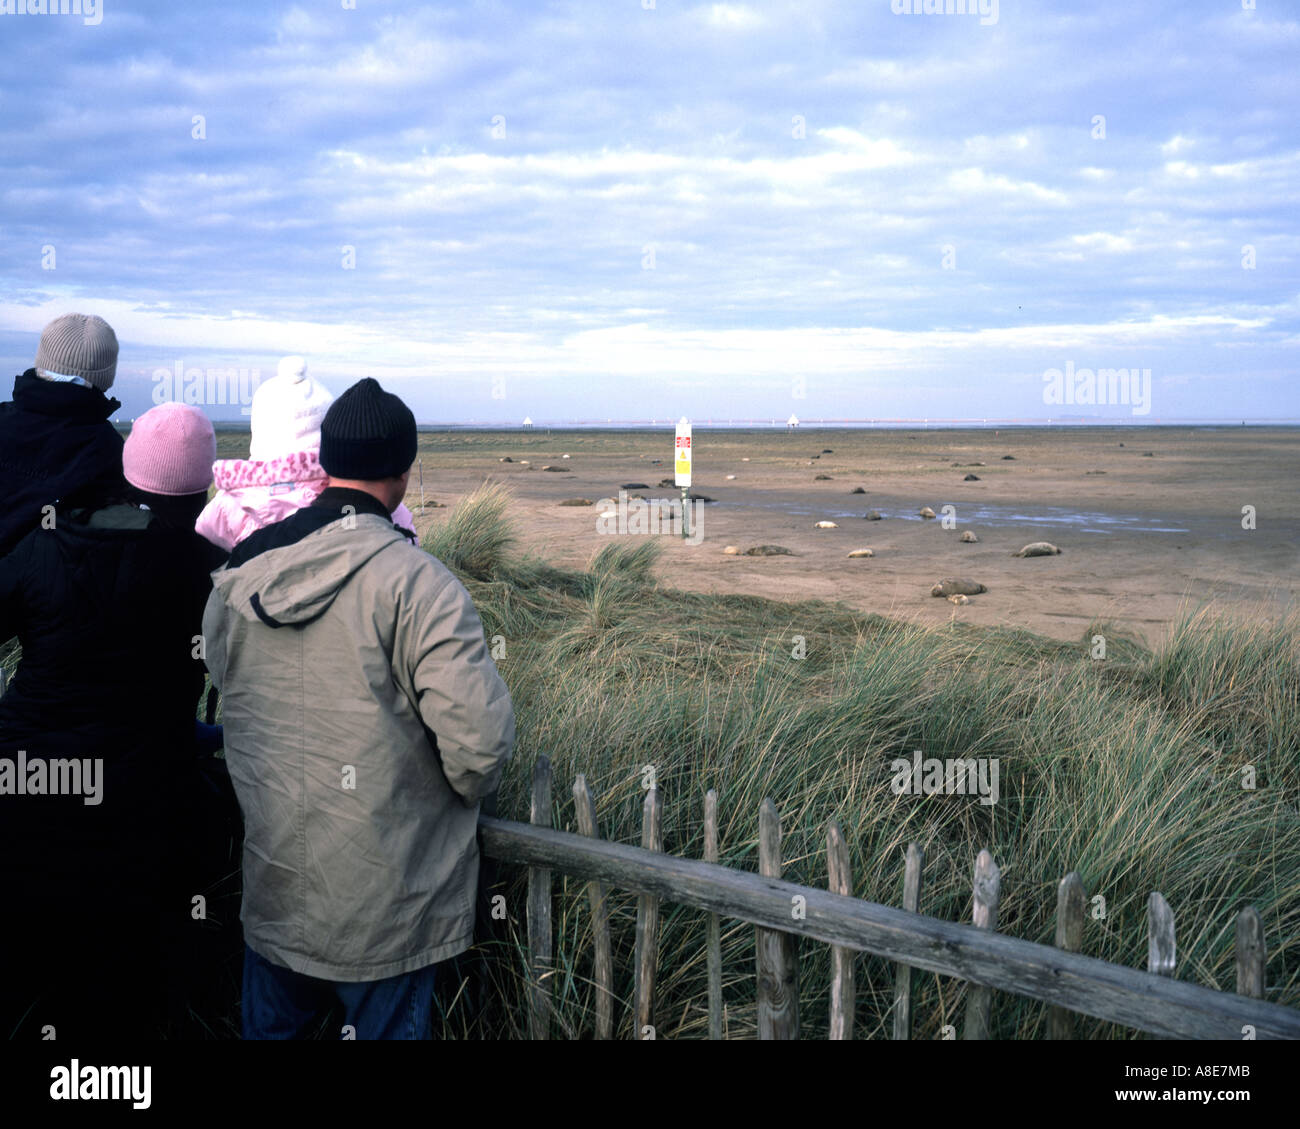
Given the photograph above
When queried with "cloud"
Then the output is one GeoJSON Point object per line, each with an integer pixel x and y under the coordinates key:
{"type": "Point", "coordinates": [574, 192]}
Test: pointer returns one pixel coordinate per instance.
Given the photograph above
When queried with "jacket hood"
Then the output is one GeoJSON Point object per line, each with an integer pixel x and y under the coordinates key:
{"type": "Point", "coordinates": [295, 584]}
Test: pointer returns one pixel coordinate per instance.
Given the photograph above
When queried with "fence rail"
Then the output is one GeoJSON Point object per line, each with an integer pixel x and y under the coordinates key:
{"type": "Point", "coordinates": [1148, 1001]}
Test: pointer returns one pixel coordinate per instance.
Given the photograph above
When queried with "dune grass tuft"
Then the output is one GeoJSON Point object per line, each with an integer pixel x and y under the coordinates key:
{"type": "Point", "coordinates": [475, 536]}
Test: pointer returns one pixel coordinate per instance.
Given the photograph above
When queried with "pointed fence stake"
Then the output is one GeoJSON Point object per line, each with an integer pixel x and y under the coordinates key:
{"type": "Point", "coordinates": [539, 912]}
{"type": "Point", "coordinates": [1252, 955]}
{"type": "Point", "coordinates": [714, 942]}
{"type": "Point", "coordinates": [903, 972]}
{"type": "Point", "coordinates": [841, 882]}
{"type": "Point", "coordinates": [776, 953]}
{"type": "Point", "coordinates": [1070, 896]}
{"type": "Point", "coordinates": [585, 807]}
{"type": "Point", "coordinates": [647, 921]}
{"type": "Point", "coordinates": [1162, 947]}
{"type": "Point", "coordinates": [986, 893]}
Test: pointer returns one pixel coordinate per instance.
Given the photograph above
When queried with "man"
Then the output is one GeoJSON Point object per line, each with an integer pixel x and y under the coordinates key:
{"type": "Point", "coordinates": [364, 721]}
{"type": "Point", "coordinates": [56, 444]}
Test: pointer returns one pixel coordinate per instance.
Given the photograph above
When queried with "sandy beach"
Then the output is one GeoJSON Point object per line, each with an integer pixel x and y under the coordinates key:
{"type": "Point", "coordinates": [1139, 533]}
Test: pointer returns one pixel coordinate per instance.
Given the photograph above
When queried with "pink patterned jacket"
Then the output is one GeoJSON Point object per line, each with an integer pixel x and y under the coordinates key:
{"type": "Point", "coordinates": [253, 494]}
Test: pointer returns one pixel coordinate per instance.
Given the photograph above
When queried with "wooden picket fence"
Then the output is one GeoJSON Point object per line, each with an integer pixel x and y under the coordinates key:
{"type": "Point", "coordinates": [781, 912]}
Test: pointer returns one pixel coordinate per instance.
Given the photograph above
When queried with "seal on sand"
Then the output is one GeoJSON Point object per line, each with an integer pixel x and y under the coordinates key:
{"type": "Point", "coordinates": [872, 515]}
{"type": "Point", "coordinates": [1038, 549]}
{"type": "Point", "coordinates": [926, 512]}
{"type": "Point", "coordinates": [958, 598]}
{"type": "Point", "coordinates": [862, 553]}
{"type": "Point", "coordinates": [957, 586]}
{"type": "Point", "coordinates": [769, 551]}
{"type": "Point", "coordinates": [827, 525]}
{"type": "Point", "coordinates": [969, 537]}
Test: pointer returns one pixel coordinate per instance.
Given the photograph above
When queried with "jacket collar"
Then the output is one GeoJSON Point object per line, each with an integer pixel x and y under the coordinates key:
{"type": "Point", "coordinates": [59, 398]}
{"type": "Point", "coordinates": [336, 497]}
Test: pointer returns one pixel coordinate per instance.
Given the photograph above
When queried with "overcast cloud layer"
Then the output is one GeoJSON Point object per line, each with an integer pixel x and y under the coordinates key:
{"type": "Point", "coordinates": [581, 211]}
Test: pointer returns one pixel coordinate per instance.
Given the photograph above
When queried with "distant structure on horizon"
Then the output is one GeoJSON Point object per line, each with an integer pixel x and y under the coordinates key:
{"type": "Point", "coordinates": [792, 422]}
{"type": "Point", "coordinates": [528, 423]}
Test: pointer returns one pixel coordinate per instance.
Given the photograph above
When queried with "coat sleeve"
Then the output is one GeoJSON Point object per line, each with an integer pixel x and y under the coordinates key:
{"type": "Point", "coordinates": [223, 522]}
{"type": "Point", "coordinates": [214, 639]}
{"type": "Point", "coordinates": [460, 695]}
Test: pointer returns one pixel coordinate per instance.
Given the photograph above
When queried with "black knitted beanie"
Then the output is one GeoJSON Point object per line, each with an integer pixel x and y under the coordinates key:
{"type": "Point", "coordinates": [367, 434]}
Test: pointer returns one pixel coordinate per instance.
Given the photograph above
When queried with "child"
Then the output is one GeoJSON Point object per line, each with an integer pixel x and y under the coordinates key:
{"type": "Point", "coordinates": [56, 443]}
{"type": "Point", "coordinates": [283, 472]}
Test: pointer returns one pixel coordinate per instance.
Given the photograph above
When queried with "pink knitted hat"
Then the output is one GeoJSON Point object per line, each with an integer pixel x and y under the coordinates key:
{"type": "Point", "coordinates": [170, 451]}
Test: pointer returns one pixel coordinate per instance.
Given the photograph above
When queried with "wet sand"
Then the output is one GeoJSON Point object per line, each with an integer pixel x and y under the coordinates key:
{"type": "Point", "coordinates": [1138, 539]}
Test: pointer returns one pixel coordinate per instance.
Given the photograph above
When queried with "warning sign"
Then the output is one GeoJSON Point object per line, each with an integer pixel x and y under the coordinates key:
{"type": "Point", "coordinates": [682, 453]}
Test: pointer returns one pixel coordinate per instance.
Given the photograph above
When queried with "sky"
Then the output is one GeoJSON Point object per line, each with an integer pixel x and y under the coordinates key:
{"type": "Point", "coordinates": [649, 209]}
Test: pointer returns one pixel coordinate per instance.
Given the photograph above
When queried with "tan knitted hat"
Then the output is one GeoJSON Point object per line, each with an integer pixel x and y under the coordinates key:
{"type": "Point", "coordinates": [79, 345]}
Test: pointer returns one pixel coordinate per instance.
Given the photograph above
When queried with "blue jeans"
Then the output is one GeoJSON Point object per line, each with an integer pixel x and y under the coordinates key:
{"type": "Point", "coordinates": [281, 1004]}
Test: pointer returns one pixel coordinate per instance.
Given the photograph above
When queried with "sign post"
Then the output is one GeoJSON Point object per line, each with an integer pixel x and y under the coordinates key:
{"type": "Point", "coordinates": [682, 469]}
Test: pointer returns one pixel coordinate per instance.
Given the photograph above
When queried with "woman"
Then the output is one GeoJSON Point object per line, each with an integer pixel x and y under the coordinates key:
{"type": "Point", "coordinates": [106, 601]}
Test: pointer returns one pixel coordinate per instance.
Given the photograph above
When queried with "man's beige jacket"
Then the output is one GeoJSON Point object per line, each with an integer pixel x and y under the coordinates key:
{"type": "Point", "coordinates": [364, 720]}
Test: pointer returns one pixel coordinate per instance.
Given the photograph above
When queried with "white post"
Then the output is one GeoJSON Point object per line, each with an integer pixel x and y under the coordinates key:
{"type": "Point", "coordinates": [682, 468]}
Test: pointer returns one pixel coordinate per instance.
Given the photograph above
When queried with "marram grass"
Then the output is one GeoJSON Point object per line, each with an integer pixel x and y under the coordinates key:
{"type": "Point", "coordinates": [1130, 769]}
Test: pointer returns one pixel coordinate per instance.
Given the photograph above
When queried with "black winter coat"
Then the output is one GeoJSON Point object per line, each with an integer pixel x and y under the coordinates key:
{"type": "Point", "coordinates": [56, 444]}
{"type": "Point", "coordinates": [107, 605]}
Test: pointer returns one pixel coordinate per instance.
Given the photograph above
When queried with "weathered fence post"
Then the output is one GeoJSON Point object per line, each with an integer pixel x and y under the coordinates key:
{"type": "Point", "coordinates": [539, 912]}
{"type": "Point", "coordinates": [903, 972]}
{"type": "Point", "coordinates": [986, 892]}
{"type": "Point", "coordinates": [776, 952]}
{"type": "Point", "coordinates": [714, 943]}
{"type": "Point", "coordinates": [1162, 949]}
{"type": "Point", "coordinates": [1070, 896]}
{"type": "Point", "coordinates": [585, 807]}
{"type": "Point", "coordinates": [647, 921]}
{"type": "Point", "coordinates": [1252, 955]}
{"type": "Point", "coordinates": [841, 882]}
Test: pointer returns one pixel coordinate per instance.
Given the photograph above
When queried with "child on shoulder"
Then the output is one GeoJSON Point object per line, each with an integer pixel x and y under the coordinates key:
{"type": "Point", "coordinates": [282, 473]}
